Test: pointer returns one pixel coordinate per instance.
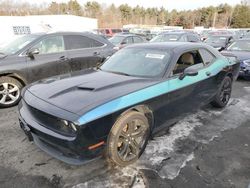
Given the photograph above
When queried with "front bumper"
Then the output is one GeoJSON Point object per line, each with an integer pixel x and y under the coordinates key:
{"type": "Point", "coordinates": [244, 71]}
{"type": "Point", "coordinates": [69, 149]}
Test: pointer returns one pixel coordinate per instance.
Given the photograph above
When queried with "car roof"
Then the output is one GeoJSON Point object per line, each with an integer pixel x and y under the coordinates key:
{"type": "Point", "coordinates": [175, 33]}
{"type": "Point", "coordinates": [126, 35]}
{"type": "Point", "coordinates": [65, 33]}
{"type": "Point", "coordinates": [69, 33]}
{"type": "Point", "coordinates": [221, 35]}
{"type": "Point", "coordinates": [168, 45]}
{"type": "Point", "coordinates": [85, 33]}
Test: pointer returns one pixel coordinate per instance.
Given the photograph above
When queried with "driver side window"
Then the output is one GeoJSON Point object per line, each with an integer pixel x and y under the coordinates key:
{"type": "Point", "coordinates": [186, 60]}
{"type": "Point", "coordinates": [49, 45]}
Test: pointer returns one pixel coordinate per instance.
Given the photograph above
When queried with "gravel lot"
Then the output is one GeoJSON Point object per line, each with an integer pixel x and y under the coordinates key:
{"type": "Point", "coordinates": [210, 148]}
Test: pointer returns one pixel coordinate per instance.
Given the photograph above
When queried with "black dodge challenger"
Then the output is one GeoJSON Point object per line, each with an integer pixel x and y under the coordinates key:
{"type": "Point", "coordinates": [114, 109]}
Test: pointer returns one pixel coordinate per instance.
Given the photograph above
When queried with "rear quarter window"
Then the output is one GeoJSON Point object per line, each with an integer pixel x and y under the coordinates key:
{"type": "Point", "coordinates": [207, 56]}
{"type": "Point", "coordinates": [74, 42]}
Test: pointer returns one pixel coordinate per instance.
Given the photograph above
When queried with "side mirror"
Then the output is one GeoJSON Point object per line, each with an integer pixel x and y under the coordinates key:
{"type": "Point", "coordinates": [123, 42]}
{"type": "Point", "coordinates": [221, 49]}
{"type": "Point", "coordinates": [33, 52]}
{"type": "Point", "coordinates": [190, 71]}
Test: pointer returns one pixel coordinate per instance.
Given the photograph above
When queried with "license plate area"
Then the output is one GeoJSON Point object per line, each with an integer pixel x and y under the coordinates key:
{"type": "Point", "coordinates": [26, 130]}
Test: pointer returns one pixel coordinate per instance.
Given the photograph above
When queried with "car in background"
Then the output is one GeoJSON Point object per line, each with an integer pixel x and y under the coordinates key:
{"type": "Point", "coordinates": [219, 42]}
{"type": "Point", "coordinates": [122, 40]}
{"type": "Point", "coordinates": [241, 50]}
{"type": "Point", "coordinates": [204, 34]}
{"type": "Point", "coordinates": [113, 111]}
{"type": "Point", "coordinates": [220, 32]}
{"type": "Point", "coordinates": [150, 36]}
{"type": "Point", "coordinates": [173, 36]}
{"type": "Point", "coordinates": [110, 32]}
{"type": "Point", "coordinates": [37, 56]}
{"type": "Point", "coordinates": [246, 34]}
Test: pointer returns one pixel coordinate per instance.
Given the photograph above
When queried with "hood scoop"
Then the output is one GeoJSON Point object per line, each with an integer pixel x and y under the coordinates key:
{"type": "Point", "coordinates": [86, 88]}
{"type": "Point", "coordinates": [102, 84]}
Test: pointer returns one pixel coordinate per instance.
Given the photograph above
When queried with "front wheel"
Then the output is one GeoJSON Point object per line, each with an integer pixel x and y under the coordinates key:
{"type": "Point", "coordinates": [224, 94]}
{"type": "Point", "coordinates": [128, 138]}
{"type": "Point", "coordinates": [10, 92]}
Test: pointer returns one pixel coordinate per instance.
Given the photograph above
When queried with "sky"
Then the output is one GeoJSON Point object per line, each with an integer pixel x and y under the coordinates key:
{"type": "Point", "coordinates": [168, 4]}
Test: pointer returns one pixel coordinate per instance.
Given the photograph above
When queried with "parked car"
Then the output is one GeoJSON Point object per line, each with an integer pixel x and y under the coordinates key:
{"type": "Point", "coordinates": [241, 50]}
{"type": "Point", "coordinates": [138, 91]}
{"type": "Point", "coordinates": [110, 32]}
{"type": "Point", "coordinates": [37, 56]}
{"type": "Point", "coordinates": [246, 34]}
{"type": "Point", "coordinates": [122, 40]}
{"type": "Point", "coordinates": [174, 36]}
{"type": "Point", "coordinates": [219, 42]}
{"type": "Point", "coordinates": [220, 32]}
{"type": "Point", "coordinates": [204, 34]}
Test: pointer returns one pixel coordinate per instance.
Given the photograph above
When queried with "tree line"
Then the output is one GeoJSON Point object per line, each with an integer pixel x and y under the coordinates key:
{"type": "Point", "coordinates": [221, 16]}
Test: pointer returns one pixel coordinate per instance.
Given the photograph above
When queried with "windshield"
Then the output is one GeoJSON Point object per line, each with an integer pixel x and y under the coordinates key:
{"type": "Point", "coordinates": [240, 46]}
{"type": "Point", "coordinates": [116, 40]}
{"type": "Point", "coordinates": [138, 62]}
{"type": "Point", "coordinates": [216, 39]}
{"type": "Point", "coordinates": [18, 44]}
{"type": "Point", "coordinates": [166, 38]}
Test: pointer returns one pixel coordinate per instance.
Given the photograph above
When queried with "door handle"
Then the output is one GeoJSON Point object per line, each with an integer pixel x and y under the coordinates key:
{"type": "Point", "coordinates": [63, 58]}
{"type": "Point", "coordinates": [208, 73]}
{"type": "Point", "coordinates": [96, 53]}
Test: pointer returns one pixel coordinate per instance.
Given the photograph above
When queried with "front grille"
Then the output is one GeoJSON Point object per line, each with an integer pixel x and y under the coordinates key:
{"type": "Point", "coordinates": [49, 121]}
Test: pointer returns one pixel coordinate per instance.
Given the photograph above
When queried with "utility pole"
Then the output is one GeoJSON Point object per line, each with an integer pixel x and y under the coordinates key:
{"type": "Point", "coordinates": [214, 20]}
{"type": "Point", "coordinates": [230, 18]}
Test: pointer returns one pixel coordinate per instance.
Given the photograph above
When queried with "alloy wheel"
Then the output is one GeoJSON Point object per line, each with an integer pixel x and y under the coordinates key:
{"type": "Point", "coordinates": [9, 93]}
{"type": "Point", "coordinates": [131, 140]}
{"type": "Point", "coordinates": [225, 92]}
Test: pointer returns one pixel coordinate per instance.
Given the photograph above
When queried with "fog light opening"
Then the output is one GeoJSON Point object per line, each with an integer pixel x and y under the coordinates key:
{"type": "Point", "coordinates": [96, 145]}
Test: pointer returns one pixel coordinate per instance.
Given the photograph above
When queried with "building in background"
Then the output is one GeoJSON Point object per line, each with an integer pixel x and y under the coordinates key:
{"type": "Point", "coordinates": [15, 26]}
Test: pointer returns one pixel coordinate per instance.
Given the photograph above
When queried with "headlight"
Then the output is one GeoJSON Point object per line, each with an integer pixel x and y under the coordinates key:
{"type": "Point", "coordinates": [66, 122]}
{"type": "Point", "coordinates": [247, 62]}
{"type": "Point", "coordinates": [70, 125]}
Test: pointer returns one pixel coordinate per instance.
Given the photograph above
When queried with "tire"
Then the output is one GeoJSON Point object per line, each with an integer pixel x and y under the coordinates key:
{"type": "Point", "coordinates": [129, 132]}
{"type": "Point", "coordinates": [222, 97]}
{"type": "Point", "coordinates": [10, 92]}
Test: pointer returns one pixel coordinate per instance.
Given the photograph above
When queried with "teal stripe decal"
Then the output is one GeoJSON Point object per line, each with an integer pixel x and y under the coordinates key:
{"type": "Point", "coordinates": [149, 93]}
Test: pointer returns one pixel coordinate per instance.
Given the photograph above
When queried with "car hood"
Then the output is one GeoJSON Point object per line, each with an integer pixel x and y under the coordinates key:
{"type": "Point", "coordinates": [241, 55]}
{"type": "Point", "coordinates": [80, 92]}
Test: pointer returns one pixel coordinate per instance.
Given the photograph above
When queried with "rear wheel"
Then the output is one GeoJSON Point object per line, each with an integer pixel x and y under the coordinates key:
{"type": "Point", "coordinates": [10, 91]}
{"type": "Point", "coordinates": [224, 94]}
{"type": "Point", "coordinates": [128, 138]}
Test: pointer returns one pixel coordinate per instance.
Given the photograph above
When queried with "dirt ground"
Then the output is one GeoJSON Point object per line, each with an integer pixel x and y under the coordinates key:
{"type": "Point", "coordinates": [210, 148]}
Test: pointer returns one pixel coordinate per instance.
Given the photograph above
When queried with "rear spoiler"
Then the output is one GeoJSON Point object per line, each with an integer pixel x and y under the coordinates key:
{"type": "Point", "coordinates": [234, 61]}
{"type": "Point", "coordinates": [231, 57]}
